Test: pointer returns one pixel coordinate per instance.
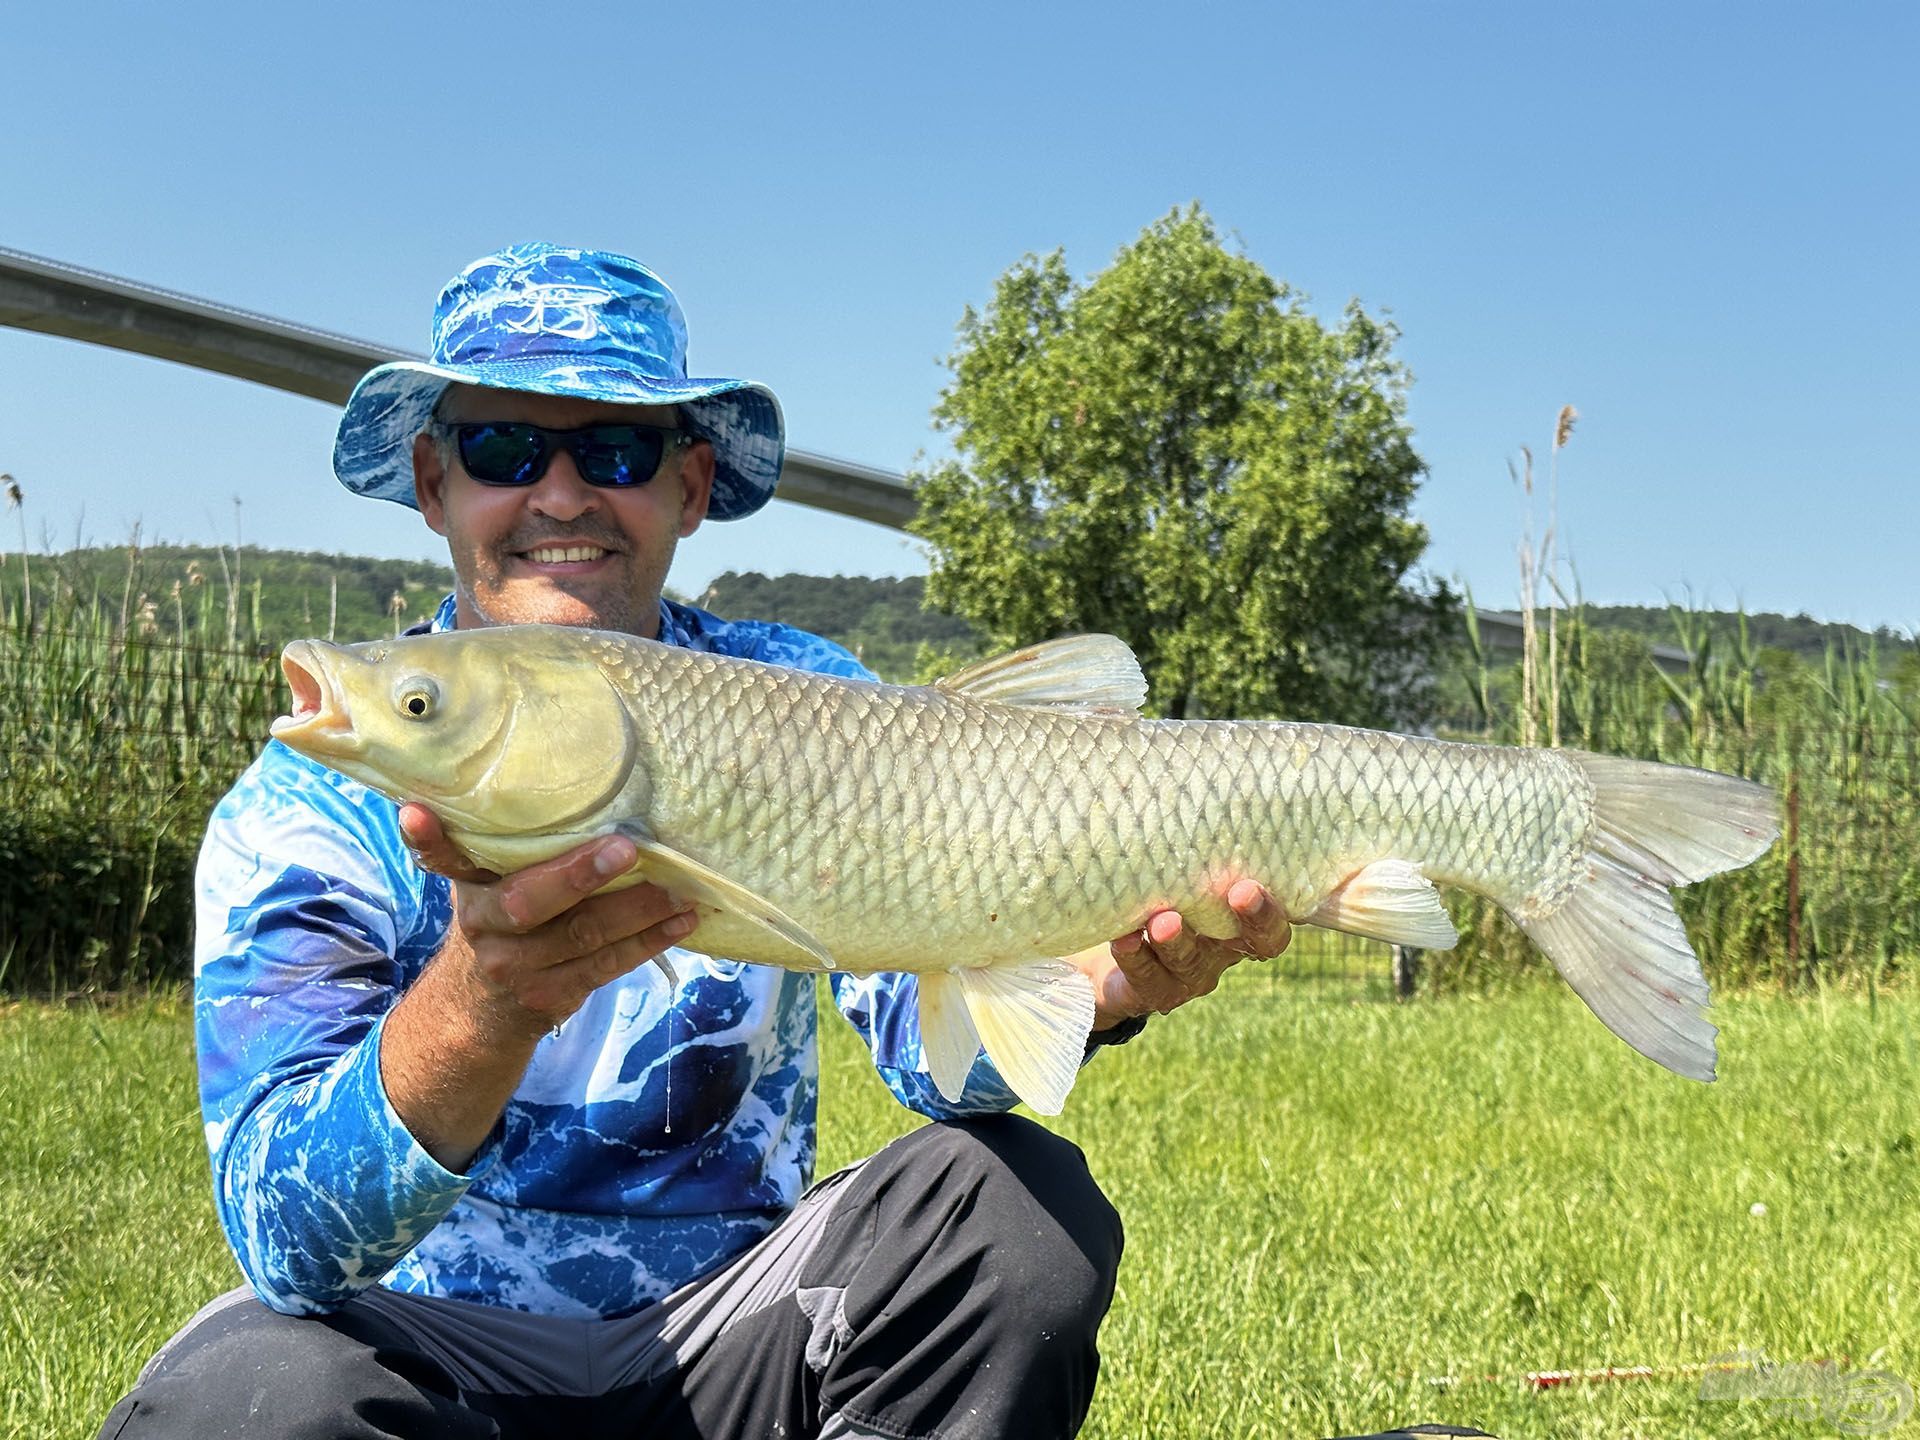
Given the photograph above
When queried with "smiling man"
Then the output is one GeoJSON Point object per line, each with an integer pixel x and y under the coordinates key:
{"type": "Point", "coordinates": [556, 550]}
{"type": "Point", "coordinates": [485, 1171]}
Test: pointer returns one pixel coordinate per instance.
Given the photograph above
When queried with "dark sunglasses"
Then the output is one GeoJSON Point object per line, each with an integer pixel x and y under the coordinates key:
{"type": "Point", "coordinates": [514, 452]}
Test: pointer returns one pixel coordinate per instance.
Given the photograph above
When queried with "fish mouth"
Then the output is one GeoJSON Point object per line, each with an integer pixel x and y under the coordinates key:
{"type": "Point", "coordinates": [320, 719]}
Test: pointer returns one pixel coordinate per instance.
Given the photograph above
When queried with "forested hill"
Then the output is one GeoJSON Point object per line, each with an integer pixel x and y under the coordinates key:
{"type": "Point", "coordinates": [280, 595]}
{"type": "Point", "coordinates": [277, 595]}
{"type": "Point", "coordinates": [1801, 634]}
{"type": "Point", "coordinates": [355, 597]}
{"type": "Point", "coordinates": [881, 621]}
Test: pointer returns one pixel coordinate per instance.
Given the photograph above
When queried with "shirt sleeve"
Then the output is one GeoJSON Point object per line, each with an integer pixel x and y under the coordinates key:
{"type": "Point", "coordinates": [885, 1010]}
{"type": "Point", "coordinates": [319, 1185]}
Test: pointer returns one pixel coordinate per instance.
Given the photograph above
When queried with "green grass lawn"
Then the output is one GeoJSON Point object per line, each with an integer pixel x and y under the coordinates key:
{"type": "Point", "coordinates": [1328, 1202]}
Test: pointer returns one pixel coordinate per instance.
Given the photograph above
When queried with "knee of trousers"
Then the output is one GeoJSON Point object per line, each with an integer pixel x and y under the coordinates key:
{"type": "Point", "coordinates": [248, 1370]}
{"type": "Point", "coordinates": [1022, 1200]}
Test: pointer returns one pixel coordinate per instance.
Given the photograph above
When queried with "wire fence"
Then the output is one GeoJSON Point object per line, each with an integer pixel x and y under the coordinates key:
{"type": "Point", "coordinates": [115, 745]}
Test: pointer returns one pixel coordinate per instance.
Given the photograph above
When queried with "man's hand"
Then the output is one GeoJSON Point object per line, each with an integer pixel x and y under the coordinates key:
{"type": "Point", "coordinates": [524, 952]}
{"type": "Point", "coordinates": [533, 945]}
{"type": "Point", "coordinates": [1165, 963]}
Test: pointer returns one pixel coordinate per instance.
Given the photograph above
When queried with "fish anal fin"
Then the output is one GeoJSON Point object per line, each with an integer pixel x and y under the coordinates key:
{"type": "Point", "coordinates": [1033, 1020]}
{"type": "Point", "coordinates": [1389, 900]}
{"type": "Point", "coordinates": [1076, 673]}
{"type": "Point", "coordinates": [947, 1037]}
{"type": "Point", "coordinates": [687, 879]}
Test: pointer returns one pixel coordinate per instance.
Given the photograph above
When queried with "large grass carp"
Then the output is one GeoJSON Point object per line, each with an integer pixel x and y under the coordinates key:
{"type": "Point", "coordinates": [974, 830]}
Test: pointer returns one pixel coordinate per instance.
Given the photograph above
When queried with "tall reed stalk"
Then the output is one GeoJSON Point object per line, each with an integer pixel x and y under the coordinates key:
{"type": "Point", "coordinates": [1839, 896]}
{"type": "Point", "coordinates": [114, 743]}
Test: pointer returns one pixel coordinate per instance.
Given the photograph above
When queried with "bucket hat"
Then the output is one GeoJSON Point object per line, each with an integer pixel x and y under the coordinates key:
{"type": "Point", "coordinates": [555, 321]}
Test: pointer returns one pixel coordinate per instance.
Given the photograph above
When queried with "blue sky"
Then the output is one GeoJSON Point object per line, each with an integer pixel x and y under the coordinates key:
{"type": "Point", "coordinates": [1694, 222]}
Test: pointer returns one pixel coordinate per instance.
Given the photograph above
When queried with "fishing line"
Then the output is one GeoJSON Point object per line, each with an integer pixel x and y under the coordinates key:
{"type": "Point", "coordinates": [673, 1000]}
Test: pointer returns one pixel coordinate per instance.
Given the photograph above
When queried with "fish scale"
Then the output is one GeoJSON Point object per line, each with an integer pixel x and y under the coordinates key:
{"type": "Point", "coordinates": [1004, 795]}
{"type": "Point", "coordinates": [975, 830]}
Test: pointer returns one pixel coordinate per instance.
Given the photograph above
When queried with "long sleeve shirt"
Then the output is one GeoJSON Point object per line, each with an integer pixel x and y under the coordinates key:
{"type": "Point", "coordinates": [657, 1134]}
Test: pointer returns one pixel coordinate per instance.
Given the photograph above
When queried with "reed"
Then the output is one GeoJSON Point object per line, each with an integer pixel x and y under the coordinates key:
{"type": "Point", "coordinates": [115, 742]}
{"type": "Point", "coordinates": [125, 714]}
{"type": "Point", "coordinates": [1838, 898]}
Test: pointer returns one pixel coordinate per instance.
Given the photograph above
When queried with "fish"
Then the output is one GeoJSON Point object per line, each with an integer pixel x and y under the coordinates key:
{"type": "Point", "coordinates": [976, 830]}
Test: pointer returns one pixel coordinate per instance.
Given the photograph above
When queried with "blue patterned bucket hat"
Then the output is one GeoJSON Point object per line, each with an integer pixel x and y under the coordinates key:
{"type": "Point", "coordinates": [560, 322]}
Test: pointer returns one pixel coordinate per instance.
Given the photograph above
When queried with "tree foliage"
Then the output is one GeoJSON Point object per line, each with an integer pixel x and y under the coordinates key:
{"type": "Point", "coordinates": [1178, 453]}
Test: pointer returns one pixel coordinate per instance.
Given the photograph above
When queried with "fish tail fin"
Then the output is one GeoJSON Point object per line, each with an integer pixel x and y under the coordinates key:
{"type": "Point", "coordinates": [1617, 938]}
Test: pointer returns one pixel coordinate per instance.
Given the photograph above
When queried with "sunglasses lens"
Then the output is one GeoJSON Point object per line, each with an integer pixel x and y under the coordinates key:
{"type": "Point", "coordinates": [503, 454]}
{"type": "Point", "coordinates": [617, 455]}
{"type": "Point", "coordinates": [516, 453]}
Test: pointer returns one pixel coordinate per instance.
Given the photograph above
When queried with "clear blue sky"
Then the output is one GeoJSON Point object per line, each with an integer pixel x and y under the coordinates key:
{"type": "Point", "coordinates": [1694, 222]}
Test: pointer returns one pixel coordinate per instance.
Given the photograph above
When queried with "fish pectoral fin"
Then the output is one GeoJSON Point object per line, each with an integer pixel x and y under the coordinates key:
{"type": "Point", "coordinates": [947, 1037]}
{"type": "Point", "coordinates": [687, 879]}
{"type": "Point", "coordinates": [667, 973]}
{"type": "Point", "coordinates": [1389, 900]}
{"type": "Point", "coordinates": [1077, 672]}
{"type": "Point", "coordinates": [1033, 1021]}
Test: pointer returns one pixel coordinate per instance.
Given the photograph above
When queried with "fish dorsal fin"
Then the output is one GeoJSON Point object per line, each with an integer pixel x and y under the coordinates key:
{"type": "Point", "coordinates": [687, 879]}
{"type": "Point", "coordinates": [1389, 900]}
{"type": "Point", "coordinates": [1076, 672]}
{"type": "Point", "coordinates": [947, 1038]}
{"type": "Point", "coordinates": [1033, 1021]}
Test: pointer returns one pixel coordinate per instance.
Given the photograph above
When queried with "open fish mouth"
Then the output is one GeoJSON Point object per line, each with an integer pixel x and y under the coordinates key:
{"type": "Point", "coordinates": [320, 715]}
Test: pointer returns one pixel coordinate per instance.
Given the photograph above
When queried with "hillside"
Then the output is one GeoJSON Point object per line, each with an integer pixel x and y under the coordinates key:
{"type": "Point", "coordinates": [1802, 635]}
{"type": "Point", "coordinates": [278, 595]}
{"type": "Point", "coordinates": [881, 620]}
{"type": "Point", "coordinates": [885, 617]}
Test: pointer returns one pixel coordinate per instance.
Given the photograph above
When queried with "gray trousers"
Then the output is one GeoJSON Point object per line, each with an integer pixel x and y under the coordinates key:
{"type": "Point", "coordinates": [950, 1286]}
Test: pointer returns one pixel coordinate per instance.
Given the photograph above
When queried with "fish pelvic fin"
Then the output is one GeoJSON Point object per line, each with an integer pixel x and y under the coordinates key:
{"type": "Point", "coordinates": [1617, 938]}
{"type": "Point", "coordinates": [1389, 900]}
{"type": "Point", "coordinates": [1085, 673]}
{"type": "Point", "coordinates": [1033, 1020]}
{"type": "Point", "coordinates": [947, 1037]}
{"type": "Point", "coordinates": [687, 879]}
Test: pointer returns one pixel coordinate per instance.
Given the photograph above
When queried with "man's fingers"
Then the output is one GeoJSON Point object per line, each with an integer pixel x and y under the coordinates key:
{"type": "Point", "coordinates": [1174, 943]}
{"type": "Point", "coordinates": [564, 988]}
{"type": "Point", "coordinates": [1264, 929]}
{"type": "Point", "coordinates": [1143, 961]}
{"type": "Point", "coordinates": [1166, 962]}
{"type": "Point", "coordinates": [425, 836]}
{"type": "Point", "coordinates": [529, 898]}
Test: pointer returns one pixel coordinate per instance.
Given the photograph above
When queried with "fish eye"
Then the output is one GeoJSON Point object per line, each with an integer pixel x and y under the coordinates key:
{"type": "Point", "coordinates": [417, 698]}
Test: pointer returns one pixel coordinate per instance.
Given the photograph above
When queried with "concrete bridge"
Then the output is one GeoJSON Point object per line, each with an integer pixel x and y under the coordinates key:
{"type": "Point", "coordinates": [54, 298]}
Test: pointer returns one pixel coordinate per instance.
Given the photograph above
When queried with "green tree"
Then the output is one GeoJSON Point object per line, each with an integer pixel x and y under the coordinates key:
{"type": "Point", "coordinates": [1177, 453]}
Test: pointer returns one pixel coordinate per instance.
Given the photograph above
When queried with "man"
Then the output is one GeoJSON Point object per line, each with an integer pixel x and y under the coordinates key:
{"type": "Point", "coordinates": [482, 1177]}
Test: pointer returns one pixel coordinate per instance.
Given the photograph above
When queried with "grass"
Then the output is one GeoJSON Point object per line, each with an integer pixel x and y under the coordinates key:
{"type": "Point", "coordinates": [1327, 1204]}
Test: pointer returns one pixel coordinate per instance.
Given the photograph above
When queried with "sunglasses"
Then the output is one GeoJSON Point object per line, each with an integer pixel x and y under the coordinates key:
{"type": "Point", "coordinates": [514, 452]}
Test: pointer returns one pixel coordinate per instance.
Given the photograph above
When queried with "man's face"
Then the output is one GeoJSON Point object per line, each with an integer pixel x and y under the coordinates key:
{"type": "Point", "coordinates": [518, 550]}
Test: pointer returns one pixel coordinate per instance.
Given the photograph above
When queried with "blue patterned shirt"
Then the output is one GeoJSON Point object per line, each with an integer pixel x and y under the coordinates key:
{"type": "Point", "coordinates": [654, 1138]}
